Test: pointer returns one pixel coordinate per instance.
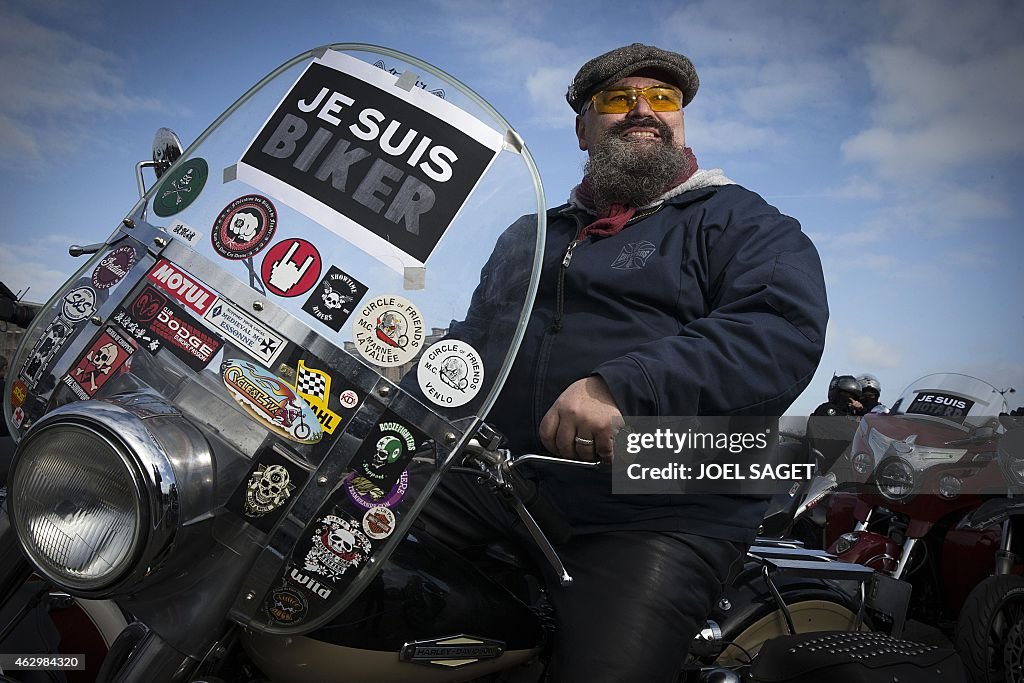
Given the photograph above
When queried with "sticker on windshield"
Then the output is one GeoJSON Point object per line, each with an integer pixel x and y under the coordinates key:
{"type": "Point", "coordinates": [244, 228]}
{"type": "Point", "coordinates": [387, 451]}
{"type": "Point", "coordinates": [247, 334]}
{"type": "Point", "coordinates": [184, 233]}
{"type": "Point", "coordinates": [285, 605]}
{"type": "Point", "coordinates": [181, 187]}
{"type": "Point", "coordinates": [388, 331]}
{"type": "Point", "coordinates": [76, 306]}
{"type": "Point", "coordinates": [385, 168]}
{"type": "Point", "coordinates": [182, 285]}
{"type": "Point", "coordinates": [114, 266]}
{"type": "Point", "coordinates": [104, 358]}
{"type": "Point", "coordinates": [366, 494]}
{"type": "Point", "coordinates": [269, 400]}
{"type": "Point", "coordinates": [291, 267]}
{"type": "Point", "coordinates": [942, 405]}
{"type": "Point", "coordinates": [450, 373]}
{"type": "Point", "coordinates": [157, 323]}
{"type": "Point", "coordinates": [315, 387]}
{"type": "Point", "coordinates": [378, 522]}
{"type": "Point", "coordinates": [334, 298]}
{"type": "Point", "coordinates": [338, 544]}
{"type": "Point", "coordinates": [19, 392]}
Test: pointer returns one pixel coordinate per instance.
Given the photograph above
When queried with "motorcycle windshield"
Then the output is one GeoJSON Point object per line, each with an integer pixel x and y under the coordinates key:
{"type": "Point", "coordinates": [304, 283]}
{"type": "Point", "coordinates": [952, 399]}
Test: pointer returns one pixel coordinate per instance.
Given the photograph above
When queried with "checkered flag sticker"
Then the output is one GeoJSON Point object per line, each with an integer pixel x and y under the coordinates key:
{"type": "Point", "coordinates": [312, 383]}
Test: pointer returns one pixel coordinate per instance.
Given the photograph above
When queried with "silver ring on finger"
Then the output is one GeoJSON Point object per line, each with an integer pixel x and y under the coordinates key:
{"type": "Point", "coordinates": [583, 442]}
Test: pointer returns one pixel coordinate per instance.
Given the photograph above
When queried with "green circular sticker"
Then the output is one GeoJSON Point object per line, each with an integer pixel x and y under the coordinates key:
{"type": "Point", "coordinates": [181, 187]}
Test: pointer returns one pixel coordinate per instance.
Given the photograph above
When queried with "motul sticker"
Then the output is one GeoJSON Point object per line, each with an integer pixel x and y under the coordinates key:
{"type": "Point", "coordinates": [378, 522]}
{"type": "Point", "coordinates": [388, 331]}
{"type": "Point", "coordinates": [114, 266]}
{"type": "Point", "coordinates": [338, 544]}
{"type": "Point", "coordinates": [334, 298]}
{"type": "Point", "coordinates": [103, 359]}
{"type": "Point", "coordinates": [249, 335]}
{"type": "Point", "coordinates": [244, 227]}
{"type": "Point", "coordinates": [450, 373]}
{"type": "Point", "coordinates": [366, 493]}
{"type": "Point", "coordinates": [291, 267]}
{"type": "Point", "coordinates": [269, 400]}
{"type": "Point", "coordinates": [186, 289]}
{"type": "Point", "coordinates": [181, 187]}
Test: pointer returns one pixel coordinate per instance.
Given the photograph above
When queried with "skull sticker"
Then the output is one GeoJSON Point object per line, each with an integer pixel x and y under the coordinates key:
{"type": "Point", "coordinates": [338, 544]}
{"type": "Point", "coordinates": [269, 487]}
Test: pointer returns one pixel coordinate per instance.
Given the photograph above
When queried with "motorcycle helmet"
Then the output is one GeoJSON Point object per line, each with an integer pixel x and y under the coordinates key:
{"type": "Point", "coordinates": [869, 382]}
{"type": "Point", "coordinates": [843, 386]}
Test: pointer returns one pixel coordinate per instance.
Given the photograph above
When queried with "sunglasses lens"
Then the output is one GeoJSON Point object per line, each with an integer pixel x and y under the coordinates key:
{"type": "Point", "coordinates": [622, 100]}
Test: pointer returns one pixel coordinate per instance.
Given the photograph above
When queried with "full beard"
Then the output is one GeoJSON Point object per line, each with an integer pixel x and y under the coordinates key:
{"type": "Point", "coordinates": [633, 172]}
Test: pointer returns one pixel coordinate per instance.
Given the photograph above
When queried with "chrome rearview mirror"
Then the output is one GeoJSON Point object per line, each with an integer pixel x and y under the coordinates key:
{"type": "Point", "coordinates": [167, 149]}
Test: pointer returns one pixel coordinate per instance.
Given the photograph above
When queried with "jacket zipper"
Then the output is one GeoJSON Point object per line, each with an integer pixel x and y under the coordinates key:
{"type": "Point", "coordinates": [556, 326]}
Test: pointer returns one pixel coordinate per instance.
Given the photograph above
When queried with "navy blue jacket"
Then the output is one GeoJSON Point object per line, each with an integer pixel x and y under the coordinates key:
{"type": "Point", "coordinates": [712, 304]}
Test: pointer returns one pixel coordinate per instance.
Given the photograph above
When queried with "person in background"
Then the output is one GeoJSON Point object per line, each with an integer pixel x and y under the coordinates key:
{"type": "Point", "coordinates": [870, 395]}
{"type": "Point", "coordinates": [844, 398]}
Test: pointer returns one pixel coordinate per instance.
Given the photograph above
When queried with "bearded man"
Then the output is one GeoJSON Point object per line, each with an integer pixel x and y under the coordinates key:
{"type": "Point", "coordinates": [666, 290]}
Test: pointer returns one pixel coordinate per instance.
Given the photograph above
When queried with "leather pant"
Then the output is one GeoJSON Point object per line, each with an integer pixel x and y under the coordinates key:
{"type": "Point", "coordinates": [637, 598]}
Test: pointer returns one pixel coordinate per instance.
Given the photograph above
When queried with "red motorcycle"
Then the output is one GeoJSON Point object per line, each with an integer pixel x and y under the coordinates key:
{"type": "Point", "coordinates": [937, 507]}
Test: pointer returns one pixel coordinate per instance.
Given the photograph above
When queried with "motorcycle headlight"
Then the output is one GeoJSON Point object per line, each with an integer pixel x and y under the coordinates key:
{"type": "Point", "coordinates": [80, 518]}
{"type": "Point", "coordinates": [863, 463]}
{"type": "Point", "coordinates": [950, 486]}
{"type": "Point", "coordinates": [95, 497]}
{"type": "Point", "coordinates": [895, 479]}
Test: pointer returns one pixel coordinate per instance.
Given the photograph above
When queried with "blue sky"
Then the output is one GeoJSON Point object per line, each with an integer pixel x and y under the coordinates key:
{"type": "Point", "coordinates": [889, 129]}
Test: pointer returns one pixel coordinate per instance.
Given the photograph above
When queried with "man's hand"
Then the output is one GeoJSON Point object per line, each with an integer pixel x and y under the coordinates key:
{"type": "Point", "coordinates": [586, 410]}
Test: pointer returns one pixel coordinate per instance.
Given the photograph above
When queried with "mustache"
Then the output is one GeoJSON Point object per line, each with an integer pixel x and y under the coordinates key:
{"type": "Point", "coordinates": [648, 122]}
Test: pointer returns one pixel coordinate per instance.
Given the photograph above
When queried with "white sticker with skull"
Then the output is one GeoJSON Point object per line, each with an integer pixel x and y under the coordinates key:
{"type": "Point", "coordinates": [269, 487]}
{"type": "Point", "coordinates": [338, 544]}
{"type": "Point", "coordinates": [388, 331]}
{"type": "Point", "coordinates": [450, 373]}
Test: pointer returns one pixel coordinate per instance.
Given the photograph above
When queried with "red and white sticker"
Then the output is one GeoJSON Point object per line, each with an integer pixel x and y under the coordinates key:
{"type": "Point", "coordinates": [244, 228]}
{"type": "Point", "coordinates": [450, 373]}
{"type": "Point", "coordinates": [388, 331]}
{"type": "Point", "coordinates": [184, 287]}
{"type": "Point", "coordinates": [348, 399]}
{"type": "Point", "coordinates": [104, 358]}
{"type": "Point", "coordinates": [291, 267]}
{"type": "Point", "coordinates": [19, 416]}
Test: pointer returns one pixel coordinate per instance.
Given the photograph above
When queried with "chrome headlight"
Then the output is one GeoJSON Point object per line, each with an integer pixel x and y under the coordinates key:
{"type": "Point", "coordinates": [895, 479]}
{"type": "Point", "coordinates": [78, 502]}
{"type": "Point", "coordinates": [93, 494]}
{"type": "Point", "coordinates": [863, 463]}
{"type": "Point", "coordinates": [950, 486]}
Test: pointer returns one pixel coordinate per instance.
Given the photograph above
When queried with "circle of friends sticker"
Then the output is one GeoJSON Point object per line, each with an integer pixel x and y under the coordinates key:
{"type": "Point", "coordinates": [388, 331]}
{"type": "Point", "coordinates": [450, 373]}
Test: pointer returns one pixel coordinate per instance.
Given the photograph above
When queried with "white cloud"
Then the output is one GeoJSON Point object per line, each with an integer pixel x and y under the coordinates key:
{"type": "Point", "coordinates": [549, 110]}
{"type": "Point", "coordinates": [52, 81]}
{"type": "Point", "coordinates": [868, 351]}
{"type": "Point", "coordinates": [856, 187]}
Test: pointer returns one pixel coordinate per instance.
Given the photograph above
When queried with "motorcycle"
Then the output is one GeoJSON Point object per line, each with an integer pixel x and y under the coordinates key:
{"type": "Point", "coordinates": [220, 414]}
{"type": "Point", "coordinates": [937, 508]}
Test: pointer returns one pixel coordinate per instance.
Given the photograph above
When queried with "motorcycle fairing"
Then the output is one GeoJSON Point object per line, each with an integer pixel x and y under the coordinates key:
{"type": "Point", "coordinates": [277, 329]}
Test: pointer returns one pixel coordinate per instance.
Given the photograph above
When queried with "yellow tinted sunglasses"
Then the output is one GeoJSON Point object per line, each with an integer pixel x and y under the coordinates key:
{"type": "Point", "coordinates": [622, 100]}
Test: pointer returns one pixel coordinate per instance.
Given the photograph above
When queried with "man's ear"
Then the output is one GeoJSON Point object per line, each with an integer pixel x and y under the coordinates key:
{"type": "Point", "coordinates": [581, 132]}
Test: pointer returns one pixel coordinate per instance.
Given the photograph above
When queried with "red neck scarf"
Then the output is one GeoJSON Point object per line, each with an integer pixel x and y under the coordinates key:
{"type": "Point", "coordinates": [617, 215]}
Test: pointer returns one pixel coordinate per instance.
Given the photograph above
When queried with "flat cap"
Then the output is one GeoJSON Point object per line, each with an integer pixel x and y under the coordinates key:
{"type": "Point", "coordinates": [602, 71]}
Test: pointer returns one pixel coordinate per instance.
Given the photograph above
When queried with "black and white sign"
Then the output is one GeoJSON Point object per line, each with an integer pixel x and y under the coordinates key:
{"type": "Point", "coordinates": [942, 405]}
{"type": "Point", "coordinates": [385, 168]}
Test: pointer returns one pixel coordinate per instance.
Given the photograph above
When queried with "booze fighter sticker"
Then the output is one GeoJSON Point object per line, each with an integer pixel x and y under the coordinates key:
{"type": "Point", "coordinates": [387, 450]}
{"type": "Point", "coordinates": [269, 400]}
{"type": "Point", "coordinates": [388, 331]}
{"type": "Point", "coordinates": [378, 522]}
{"type": "Point", "coordinates": [291, 267]}
{"type": "Point", "coordinates": [105, 357]}
{"type": "Point", "coordinates": [367, 494]}
{"type": "Point", "coordinates": [450, 373]}
{"type": "Point", "coordinates": [113, 267]}
{"type": "Point", "coordinates": [244, 228]}
{"type": "Point", "coordinates": [338, 544]}
{"type": "Point", "coordinates": [180, 188]}
{"type": "Point", "coordinates": [334, 298]}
